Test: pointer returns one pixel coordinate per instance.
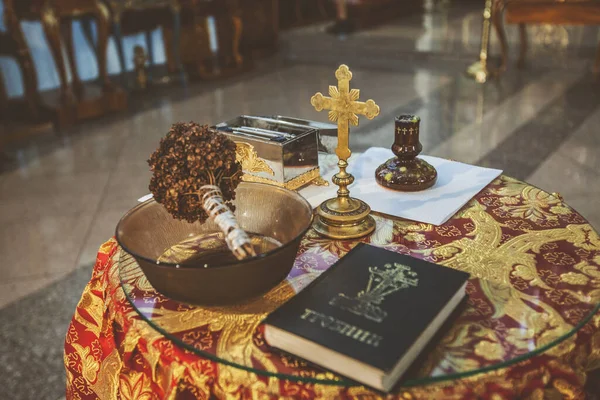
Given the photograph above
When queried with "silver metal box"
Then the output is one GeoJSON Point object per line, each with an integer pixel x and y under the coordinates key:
{"type": "Point", "coordinates": [277, 150]}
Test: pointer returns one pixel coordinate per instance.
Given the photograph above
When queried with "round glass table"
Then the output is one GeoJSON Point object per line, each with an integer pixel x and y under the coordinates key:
{"type": "Point", "coordinates": [528, 325]}
{"type": "Point", "coordinates": [535, 283]}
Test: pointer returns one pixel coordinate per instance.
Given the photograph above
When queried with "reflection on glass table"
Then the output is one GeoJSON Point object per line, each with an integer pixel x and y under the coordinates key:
{"type": "Point", "coordinates": [535, 283]}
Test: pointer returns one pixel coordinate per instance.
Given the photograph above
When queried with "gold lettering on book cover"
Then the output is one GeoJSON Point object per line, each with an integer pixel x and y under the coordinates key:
{"type": "Point", "coordinates": [341, 327]}
{"type": "Point", "coordinates": [383, 282]}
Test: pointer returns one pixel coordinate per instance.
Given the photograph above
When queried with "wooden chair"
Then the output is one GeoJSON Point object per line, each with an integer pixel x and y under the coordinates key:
{"type": "Point", "coordinates": [56, 17]}
{"type": "Point", "coordinates": [555, 12]}
{"type": "Point", "coordinates": [133, 16]}
{"type": "Point", "coordinates": [13, 44]}
{"type": "Point", "coordinates": [74, 101]}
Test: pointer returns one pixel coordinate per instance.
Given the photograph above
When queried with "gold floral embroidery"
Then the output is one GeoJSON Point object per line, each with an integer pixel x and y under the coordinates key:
{"type": "Point", "coordinates": [480, 306]}
{"type": "Point", "coordinates": [82, 386]}
{"type": "Point", "coordinates": [583, 253]}
{"type": "Point", "coordinates": [574, 316]}
{"type": "Point", "coordinates": [510, 200]}
{"type": "Point", "coordinates": [529, 274]}
{"type": "Point", "coordinates": [90, 365]}
{"type": "Point", "coordinates": [199, 339]}
{"type": "Point", "coordinates": [414, 237]}
{"type": "Point", "coordinates": [72, 335]}
{"type": "Point", "coordinates": [133, 387]}
{"type": "Point", "coordinates": [491, 201]}
{"type": "Point", "coordinates": [549, 246]}
{"type": "Point", "coordinates": [505, 238]}
{"type": "Point", "coordinates": [534, 206]}
{"type": "Point", "coordinates": [520, 284]}
{"type": "Point", "coordinates": [96, 348]}
{"type": "Point", "coordinates": [574, 278]}
{"type": "Point", "coordinates": [448, 231]}
{"type": "Point", "coordinates": [593, 274]}
{"type": "Point", "coordinates": [429, 244]}
{"type": "Point", "coordinates": [521, 338]}
{"type": "Point", "coordinates": [561, 298]}
{"type": "Point", "coordinates": [583, 236]}
{"type": "Point", "coordinates": [489, 350]}
{"type": "Point", "coordinates": [518, 225]}
{"type": "Point", "coordinates": [561, 210]}
{"type": "Point", "coordinates": [292, 362]}
{"type": "Point", "coordinates": [559, 258]}
{"type": "Point", "coordinates": [550, 277]}
{"type": "Point", "coordinates": [444, 253]}
{"type": "Point", "coordinates": [72, 360]}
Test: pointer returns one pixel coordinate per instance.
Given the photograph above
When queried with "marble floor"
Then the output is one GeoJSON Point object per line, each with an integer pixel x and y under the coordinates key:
{"type": "Point", "coordinates": [61, 194]}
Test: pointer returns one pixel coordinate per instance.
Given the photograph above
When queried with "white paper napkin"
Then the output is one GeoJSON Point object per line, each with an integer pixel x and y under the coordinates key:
{"type": "Point", "coordinates": [457, 183]}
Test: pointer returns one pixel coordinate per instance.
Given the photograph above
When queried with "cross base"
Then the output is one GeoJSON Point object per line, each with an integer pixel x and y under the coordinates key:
{"type": "Point", "coordinates": [344, 218]}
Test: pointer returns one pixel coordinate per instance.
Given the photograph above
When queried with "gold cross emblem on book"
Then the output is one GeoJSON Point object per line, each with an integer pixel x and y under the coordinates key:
{"type": "Point", "coordinates": [382, 283]}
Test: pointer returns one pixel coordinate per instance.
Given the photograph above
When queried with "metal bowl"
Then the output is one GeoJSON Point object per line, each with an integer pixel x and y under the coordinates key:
{"type": "Point", "coordinates": [148, 230]}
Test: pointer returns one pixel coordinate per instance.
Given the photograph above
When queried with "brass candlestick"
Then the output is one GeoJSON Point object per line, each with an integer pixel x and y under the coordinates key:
{"type": "Point", "coordinates": [480, 70]}
{"type": "Point", "coordinates": [344, 217]}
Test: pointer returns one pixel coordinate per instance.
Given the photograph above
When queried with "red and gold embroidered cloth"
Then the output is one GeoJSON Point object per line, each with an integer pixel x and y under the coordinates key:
{"type": "Point", "coordinates": [529, 329]}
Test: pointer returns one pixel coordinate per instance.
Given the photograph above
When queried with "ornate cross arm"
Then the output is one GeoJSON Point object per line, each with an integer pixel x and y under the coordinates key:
{"type": "Point", "coordinates": [344, 108]}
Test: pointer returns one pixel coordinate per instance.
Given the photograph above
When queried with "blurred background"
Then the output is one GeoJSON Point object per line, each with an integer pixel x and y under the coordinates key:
{"type": "Point", "coordinates": [89, 87]}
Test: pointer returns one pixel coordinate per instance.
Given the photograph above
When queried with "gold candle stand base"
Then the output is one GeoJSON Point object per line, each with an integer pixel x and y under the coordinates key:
{"type": "Point", "coordinates": [480, 72]}
{"type": "Point", "coordinates": [344, 218]}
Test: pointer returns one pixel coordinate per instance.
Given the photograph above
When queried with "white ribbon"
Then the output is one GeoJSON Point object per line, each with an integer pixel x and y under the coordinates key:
{"type": "Point", "coordinates": [235, 237]}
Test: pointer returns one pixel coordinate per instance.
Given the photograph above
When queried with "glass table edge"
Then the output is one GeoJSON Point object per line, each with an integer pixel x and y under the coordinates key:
{"type": "Point", "coordinates": [346, 383]}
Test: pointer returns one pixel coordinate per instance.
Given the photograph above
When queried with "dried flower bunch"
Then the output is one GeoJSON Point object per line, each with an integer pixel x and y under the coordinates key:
{"type": "Point", "coordinates": [189, 157]}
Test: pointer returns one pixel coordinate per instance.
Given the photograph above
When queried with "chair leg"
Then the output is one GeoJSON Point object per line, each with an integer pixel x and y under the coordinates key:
{"type": "Point", "coordinates": [177, 43]}
{"type": "Point", "coordinates": [596, 68]}
{"type": "Point", "coordinates": [3, 98]}
{"type": "Point", "coordinates": [88, 34]}
{"type": "Point", "coordinates": [25, 61]}
{"type": "Point", "coordinates": [498, 22]}
{"type": "Point", "coordinates": [50, 24]}
{"type": "Point", "coordinates": [102, 22]}
{"type": "Point", "coordinates": [30, 84]}
{"type": "Point", "coordinates": [148, 37]}
{"type": "Point", "coordinates": [67, 31]}
{"type": "Point", "coordinates": [299, 16]}
{"type": "Point", "coordinates": [341, 10]}
{"type": "Point", "coordinates": [322, 9]}
{"type": "Point", "coordinates": [523, 49]}
{"type": "Point", "coordinates": [238, 27]}
{"type": "Point", "coordinates": [120, 51]}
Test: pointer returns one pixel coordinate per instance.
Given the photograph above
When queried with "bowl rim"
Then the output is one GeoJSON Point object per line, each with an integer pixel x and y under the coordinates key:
{"type": "Point", "coordinates": [225, 265]}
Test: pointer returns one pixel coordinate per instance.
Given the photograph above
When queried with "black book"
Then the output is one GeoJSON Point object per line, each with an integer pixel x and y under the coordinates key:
{"type": "Point", "coordinates": [369, 315]}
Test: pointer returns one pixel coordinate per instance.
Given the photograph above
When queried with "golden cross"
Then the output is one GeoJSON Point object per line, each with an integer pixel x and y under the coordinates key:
{"type": "Point", "coordinates": [344, 107]}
